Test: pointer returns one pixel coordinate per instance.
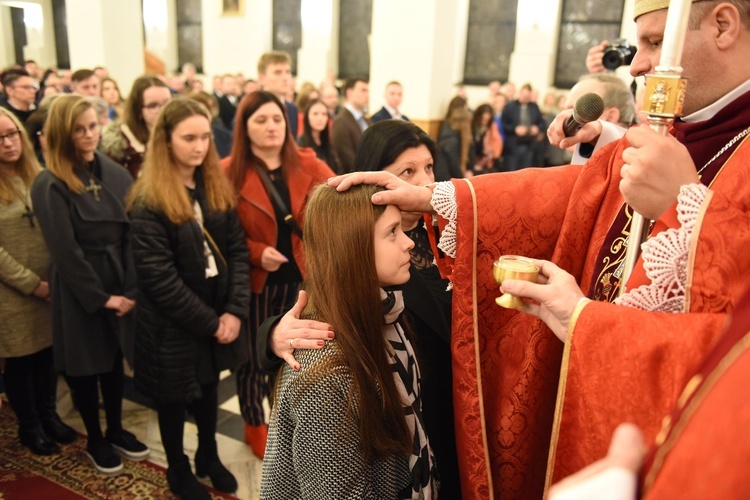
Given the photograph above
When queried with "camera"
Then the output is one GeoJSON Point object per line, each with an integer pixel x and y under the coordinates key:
{"type": "Point", "coordinates": [620, 53]}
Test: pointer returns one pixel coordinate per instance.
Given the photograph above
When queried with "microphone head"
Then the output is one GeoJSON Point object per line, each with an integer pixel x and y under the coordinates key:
{"type": "Point", "coordinates": [588, 107]}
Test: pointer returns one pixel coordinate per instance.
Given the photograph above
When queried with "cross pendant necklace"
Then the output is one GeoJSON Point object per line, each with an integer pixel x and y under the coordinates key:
{"type": "Point", "coordinates": [28, 213]}
{"type": "Point", "coordinates": [93, 187]}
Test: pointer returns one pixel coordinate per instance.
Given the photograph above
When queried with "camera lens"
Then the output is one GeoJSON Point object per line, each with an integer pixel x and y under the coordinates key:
{"type": "Point", "coordinates": [613, 59]}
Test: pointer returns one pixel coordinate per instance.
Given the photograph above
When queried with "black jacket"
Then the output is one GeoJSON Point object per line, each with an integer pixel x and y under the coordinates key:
{"type": "Point", "coordinates": [179, 307]}
{"type": "Point", "coordinates": [91, 259]}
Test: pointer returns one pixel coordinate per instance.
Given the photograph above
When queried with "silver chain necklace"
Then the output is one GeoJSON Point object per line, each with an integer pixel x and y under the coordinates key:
{"type": "Point", "coordinates": [724, 149]}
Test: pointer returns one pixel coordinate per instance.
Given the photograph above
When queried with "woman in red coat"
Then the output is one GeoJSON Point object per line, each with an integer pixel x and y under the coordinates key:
{"type": "Point", "coordinates": [273, 178]}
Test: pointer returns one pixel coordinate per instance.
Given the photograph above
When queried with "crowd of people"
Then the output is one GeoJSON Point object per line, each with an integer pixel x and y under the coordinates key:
{"type": "Point", "coordinates": [361, 306]}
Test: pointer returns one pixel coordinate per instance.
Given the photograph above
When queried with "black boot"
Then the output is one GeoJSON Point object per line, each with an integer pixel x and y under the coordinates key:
{"type": "Point", "coordinates": [183, 483]}
{"type": "Point", "coordinates": [37, 441]}
{"type": "Point", "coordinates": [57, 429]}
{"type": "Point", "coordinates": [207, 463]}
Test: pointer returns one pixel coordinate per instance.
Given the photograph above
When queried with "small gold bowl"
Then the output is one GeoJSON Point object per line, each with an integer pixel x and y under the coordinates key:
{"type": "Point", "coordinates": [513, 267]}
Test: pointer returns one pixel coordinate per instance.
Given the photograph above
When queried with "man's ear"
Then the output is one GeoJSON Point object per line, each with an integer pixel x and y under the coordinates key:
{"type": "Point", "coordinates": [726, 20]}
{"type": "Point", "coordinates": [611, 115]}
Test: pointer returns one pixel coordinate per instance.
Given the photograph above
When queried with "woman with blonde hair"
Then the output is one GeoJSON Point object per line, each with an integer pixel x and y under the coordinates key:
{"type": "Point", "coordinates": [25, 316]}
{"type": "Point", "coordinates": [192, 266]}
{"type": "Point", "coordinates": [349, 422]}
{"type": "Point", "coordinates": [79, 202]}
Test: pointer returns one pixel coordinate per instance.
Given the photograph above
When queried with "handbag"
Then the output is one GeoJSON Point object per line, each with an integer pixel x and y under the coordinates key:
{"type": "Point", "coordinates": [279, 202]}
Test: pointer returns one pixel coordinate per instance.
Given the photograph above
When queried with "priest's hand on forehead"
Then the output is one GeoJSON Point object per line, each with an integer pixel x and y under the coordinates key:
{"type": "Point", "coordinates": [398, 192]}
{"type": "Point", "coordinates": [655, 168]}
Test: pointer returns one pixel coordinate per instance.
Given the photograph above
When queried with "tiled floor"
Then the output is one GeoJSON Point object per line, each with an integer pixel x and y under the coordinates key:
{"type": "Point", "coordinates": [142, 421]}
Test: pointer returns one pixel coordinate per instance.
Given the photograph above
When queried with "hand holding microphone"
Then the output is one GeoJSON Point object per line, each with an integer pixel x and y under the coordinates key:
{"type": "Point", "coordinates": [569, 123]}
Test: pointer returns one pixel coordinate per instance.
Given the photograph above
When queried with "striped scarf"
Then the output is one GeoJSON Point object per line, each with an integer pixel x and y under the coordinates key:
{"type": "Point", "coordinates": [408, 384]}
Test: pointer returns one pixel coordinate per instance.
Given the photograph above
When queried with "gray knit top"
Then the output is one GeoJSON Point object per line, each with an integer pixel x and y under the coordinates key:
{"type": "Point", "coordinates": [313, 444]}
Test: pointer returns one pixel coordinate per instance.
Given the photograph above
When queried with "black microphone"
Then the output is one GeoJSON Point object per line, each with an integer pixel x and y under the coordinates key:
{"type": "Point", "coordinates": [588, 107]}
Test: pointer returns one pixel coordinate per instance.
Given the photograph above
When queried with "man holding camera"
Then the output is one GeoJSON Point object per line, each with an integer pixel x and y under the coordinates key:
{"type": "Point", "coordinates": [619, 363]}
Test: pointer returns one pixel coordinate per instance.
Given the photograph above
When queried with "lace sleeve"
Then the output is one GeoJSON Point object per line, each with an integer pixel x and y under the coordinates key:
{"type": "Point", "coordinates": [665, 258]}
{"type": "Point", "coordinates": [444, 202]}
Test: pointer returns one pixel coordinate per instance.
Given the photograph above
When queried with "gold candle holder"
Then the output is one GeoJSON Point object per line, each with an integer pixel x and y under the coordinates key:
{"type": "Point", "coordinates": [513, 267]}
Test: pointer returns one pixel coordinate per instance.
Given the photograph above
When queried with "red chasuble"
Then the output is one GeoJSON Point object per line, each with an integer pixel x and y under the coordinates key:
{"type": "Point", "coordinates": [702, 450]}
{"type": "Point", "coordinates": [623, 364]}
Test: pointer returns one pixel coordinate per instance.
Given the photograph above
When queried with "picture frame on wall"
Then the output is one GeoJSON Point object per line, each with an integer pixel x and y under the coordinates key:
{"type": "Point", "coordinates": [232, 7]}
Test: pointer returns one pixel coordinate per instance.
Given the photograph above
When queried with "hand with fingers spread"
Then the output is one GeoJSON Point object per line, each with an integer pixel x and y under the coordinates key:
{"type": "Point", "coordinates": [293, 333]}
{"type": "Point", "coordinates": [655, 167]}
{"type": "Point", "coordinates": [555, 296]}
{"type": "Point", "coordinates": [398, 192]}
{"type": "Point", "coordinates": [588, 133]}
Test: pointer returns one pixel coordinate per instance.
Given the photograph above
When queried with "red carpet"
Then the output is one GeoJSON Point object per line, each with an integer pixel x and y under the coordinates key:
{"type": "Point", "coordinates": [69, 474]}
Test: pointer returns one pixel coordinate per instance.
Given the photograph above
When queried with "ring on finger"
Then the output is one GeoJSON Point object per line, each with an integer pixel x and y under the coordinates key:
{"type": "Point", "coordinates": [291, 343]}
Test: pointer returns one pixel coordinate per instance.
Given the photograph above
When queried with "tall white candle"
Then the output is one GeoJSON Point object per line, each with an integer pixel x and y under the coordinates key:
{"type": "Point", "coordinates": [674, 32]}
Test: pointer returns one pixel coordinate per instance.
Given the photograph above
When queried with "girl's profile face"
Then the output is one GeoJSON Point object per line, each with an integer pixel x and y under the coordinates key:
{"type": "Point", "coordinates": [486, 118]}
{"type": "Point", "coordinates": [190, 141]}
{"type": "Point", "coordinates": [391, 249]}
{"type": "Point", "coordinates": [318, 116]}
{"type": "Point", "coordinates": [414, 165]}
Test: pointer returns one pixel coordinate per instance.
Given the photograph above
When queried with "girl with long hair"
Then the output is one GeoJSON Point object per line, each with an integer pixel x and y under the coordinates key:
{"type": "Point", "coordinates": [25, 316]}
{"type": "Point", "coordinates": [111, 94]}
{"type": "Point", "coordinates": [79, 203]}
{"type": "Point", "coordinates": [487, 145]}
{"type": "Point", "coordinates": [124, 140]}
{"type": "Point", "coordinates": [191, 261]}
{"type": "Point", "coordinates": [406, 151]}
{"type": "Point", "coordinates": [316, 133]}
{"type": "Point", "coordinates": [273, 178]}
{"type": "Point", "coordinates": [349, 422]}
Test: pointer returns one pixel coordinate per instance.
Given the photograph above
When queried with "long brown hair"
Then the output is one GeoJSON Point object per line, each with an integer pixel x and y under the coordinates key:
{"type": "Point", "coordinates": [159, 186]}
{"type": "Point", "coordinates": [242, 157]}
{"type": "Point", "coordinates": [132, 113]}
{"type": "Point", "coordinates": [26, 165]}
{"type": "Point", "coordinates": [458, 118]}
{"type": "Point", "coordinates": [339, 228]}
{"type": "Point", "coordinates": [62, 156]}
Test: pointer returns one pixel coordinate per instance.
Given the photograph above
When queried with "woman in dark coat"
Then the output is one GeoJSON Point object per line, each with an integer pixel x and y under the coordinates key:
{"type": "Point", "coordinates": [192, 266]}
{"type": "Point", "coordinates": [79, 202]}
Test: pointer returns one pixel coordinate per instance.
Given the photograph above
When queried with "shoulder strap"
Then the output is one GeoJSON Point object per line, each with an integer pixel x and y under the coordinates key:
{"type": "Point", "coordinates": [276, 199]}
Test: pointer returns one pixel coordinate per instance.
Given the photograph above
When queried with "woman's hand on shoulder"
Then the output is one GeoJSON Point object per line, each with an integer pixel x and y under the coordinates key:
{"type": "Point", "coordinates": [293, 333]}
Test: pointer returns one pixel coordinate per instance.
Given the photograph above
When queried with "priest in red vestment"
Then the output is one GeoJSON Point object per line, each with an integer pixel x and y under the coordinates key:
{"type": "Point", "coordinates": [699, 451]}
{"type": "Point", "coordinates": [624, 362]}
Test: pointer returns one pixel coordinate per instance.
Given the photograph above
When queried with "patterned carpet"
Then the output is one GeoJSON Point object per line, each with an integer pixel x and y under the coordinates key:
{"type": "Point", "coordinates": [69, 474]}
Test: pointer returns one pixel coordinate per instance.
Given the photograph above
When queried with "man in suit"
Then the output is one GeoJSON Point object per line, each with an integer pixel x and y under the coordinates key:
{"type": "Point", "coordinates": [350, 123]}
{"type": "Point", "coordinates": [522, 121]}
{"type": "Point", "coordinates": [275, 76]}
{"type": "Point", "coordinates": [394, 93]}
{"type": "Point", "coordinates": [228, 101]}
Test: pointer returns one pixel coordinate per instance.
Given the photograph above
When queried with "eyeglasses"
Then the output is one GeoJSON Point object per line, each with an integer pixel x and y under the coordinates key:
{"type": "Point", "coordinates": [154, 106]}
{"type": "Point", "coordinates": [81, 131]}
{"type": "Point", "coordinates": [25, 87]}
{"type": "Point", "coordinates": [12, 136]}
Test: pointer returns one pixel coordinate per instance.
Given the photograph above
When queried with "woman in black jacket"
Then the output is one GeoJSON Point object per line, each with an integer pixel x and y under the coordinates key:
{"type": "Point", "coordinates": [79, 202]}
{"type": "Point", "coordinates": [192, 266]}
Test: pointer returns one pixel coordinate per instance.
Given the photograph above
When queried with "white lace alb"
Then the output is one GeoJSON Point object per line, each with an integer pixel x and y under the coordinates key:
{"type": "Point", "coordinates": [665, 258]}
{"type": "Point", "coordinates": [443, 201]}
